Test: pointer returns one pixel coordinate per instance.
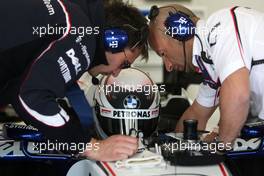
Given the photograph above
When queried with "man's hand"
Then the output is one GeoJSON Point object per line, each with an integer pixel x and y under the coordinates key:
{"type": "Point", "coordinates": [210, 137]}
{"type": "Point", "coordinates": [116, 147]}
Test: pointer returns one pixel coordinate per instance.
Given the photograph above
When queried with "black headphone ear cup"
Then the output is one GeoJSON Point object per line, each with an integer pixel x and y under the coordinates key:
{"type": "Point", "coordinates": [153, 13]}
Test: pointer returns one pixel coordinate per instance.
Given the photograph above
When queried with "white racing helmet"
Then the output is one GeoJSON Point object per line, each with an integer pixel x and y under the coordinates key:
{"type": "Point", "coordinates": [128, 102]}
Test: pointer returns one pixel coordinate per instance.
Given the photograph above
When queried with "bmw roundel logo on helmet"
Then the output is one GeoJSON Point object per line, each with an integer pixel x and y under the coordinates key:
{"type": "Point", "coordinates": [131, 102]}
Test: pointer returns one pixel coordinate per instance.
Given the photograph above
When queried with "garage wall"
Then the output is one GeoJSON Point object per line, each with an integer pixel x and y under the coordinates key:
{"type": "Point", "coordinates": [209, 5]}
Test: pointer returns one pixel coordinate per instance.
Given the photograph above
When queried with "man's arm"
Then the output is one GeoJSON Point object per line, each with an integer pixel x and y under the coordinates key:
{"type": "Point", "coordinates": [196, 111]}
{"type": "Point", "coordinates": [234, 104]}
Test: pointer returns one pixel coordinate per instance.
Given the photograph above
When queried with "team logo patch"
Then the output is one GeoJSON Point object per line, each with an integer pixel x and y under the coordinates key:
{"type": "Point", "coordinates": [142, 114]}
{"type": "Point", "coordinates": [131, 102]}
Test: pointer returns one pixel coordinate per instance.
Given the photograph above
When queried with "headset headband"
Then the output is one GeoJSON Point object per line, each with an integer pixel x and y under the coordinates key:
{"type": "Point", "coordinates": [154, 12]}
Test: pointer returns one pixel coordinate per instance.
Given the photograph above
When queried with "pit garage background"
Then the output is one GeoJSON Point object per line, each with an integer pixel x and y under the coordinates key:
{"type": "Point", "coordinates": [202, 8]}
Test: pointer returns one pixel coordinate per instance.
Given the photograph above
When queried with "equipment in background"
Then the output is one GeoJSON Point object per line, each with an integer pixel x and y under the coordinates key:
{"type": "Point", "coordinates": [190, 129]}
{"type": "Point", "coordinates": [186, 148]}
{"type": "Point", "coordinates": [250, 142]}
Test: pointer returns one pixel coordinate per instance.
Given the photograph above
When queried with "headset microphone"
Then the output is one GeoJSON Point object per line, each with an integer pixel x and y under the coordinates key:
{"type": "Point", "coordinates": [95, 81]}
